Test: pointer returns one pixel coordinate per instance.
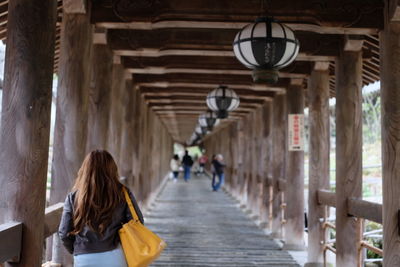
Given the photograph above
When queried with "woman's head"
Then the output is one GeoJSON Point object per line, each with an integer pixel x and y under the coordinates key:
{"type": "Point", "coordinates": [176, 157]}
{"type": "Point", "coordinates": [98, 192]}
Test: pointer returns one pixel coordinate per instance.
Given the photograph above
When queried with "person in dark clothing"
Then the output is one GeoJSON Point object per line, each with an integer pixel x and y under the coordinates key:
{"type": "Point", "coordinates": [219, 171]}
{"type": "Point", "coordinates": [94, 212]}
{"type": "Point", "coordinates": [187, 163]}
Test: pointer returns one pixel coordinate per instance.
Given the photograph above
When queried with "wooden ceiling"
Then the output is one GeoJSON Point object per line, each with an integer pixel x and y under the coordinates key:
{"type": "Point", "coordinates": [179, 50]}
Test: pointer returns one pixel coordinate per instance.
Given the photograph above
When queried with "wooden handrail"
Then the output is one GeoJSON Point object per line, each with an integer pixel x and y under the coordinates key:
{"type": "Point", "coordinates": [376, 250]}
{"type": "Point", "coordinates": [52, 219]}
{"type": "Point", "coordinates": [365, 209]}
{"type": "Point", "coordinates": [11, 233]}
{"type": "Point", "coordinates": [10, 237]}
{"type": "Point", "coordinates": [326, 197]}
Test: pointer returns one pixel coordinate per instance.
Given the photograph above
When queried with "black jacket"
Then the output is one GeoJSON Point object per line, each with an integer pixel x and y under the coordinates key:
{"type": "Point", "coordinates": [187, 160]}
{"type": "Point", "coordinates": [218, 166]}
{"type": "Point", "coordinates": [88, 241]}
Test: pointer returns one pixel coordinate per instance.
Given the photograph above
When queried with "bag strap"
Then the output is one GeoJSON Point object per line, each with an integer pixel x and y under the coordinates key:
{"type": "Point", "coordinates": [130, 205]}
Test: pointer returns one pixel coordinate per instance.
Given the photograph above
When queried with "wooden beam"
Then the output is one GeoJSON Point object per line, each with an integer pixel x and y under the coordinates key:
{"type": "Point", "coordinates": [52, 218]}
{"type": "Point", "coordinates": [353, 42]}
{"type": "Point", "coordinates": [326, 197]}
{"type": "Point", "coordinates": [267, 96]}
{"type": "Point", "coordinates": [191, 99]}
{"type": "Point", "coordinates": [280, 87]}
{"type": "Point", "coordinates": [321, 65]}
{"type": "Point", "coordinates": [198, 24]}
{"type": "Point", "coordinates": [154, 52]}
{"type": "Point", "coordinates": [100, 38]}
{"type": "Point", "coordinates": [11, 241]}
{"type": "Point", "coordinates": [330, 15]}
{"type": "Point", "coordinates": [216, 79]}
{"type": "Point", "coordinates": [364, 209]}
{"type": "Point", "coordinates": [199, 62]}
{"type": "Point", "coordinates": [161, 70]}
{"type": "Point", "coordinates": [393, 9]}
{"type": "Point", "coordinates": [75, 6]}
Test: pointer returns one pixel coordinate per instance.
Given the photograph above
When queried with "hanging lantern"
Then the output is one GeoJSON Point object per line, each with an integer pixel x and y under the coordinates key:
{"type": "Point", "coordinates": [265, 46]}
{"type": "Point", "coordinates": [222, 100]}
{"type": "Point", "coordinates": [209, 120]}
{"type": "Point", "coordinates": [201, 131]}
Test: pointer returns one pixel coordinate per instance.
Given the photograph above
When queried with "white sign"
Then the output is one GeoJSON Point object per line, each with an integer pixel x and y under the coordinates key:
{"type": "Point", "coordinates": [296, 132]}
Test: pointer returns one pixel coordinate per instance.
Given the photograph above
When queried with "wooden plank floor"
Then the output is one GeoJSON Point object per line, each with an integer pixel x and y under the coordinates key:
{"type": "Point", "coordinates": [205, 228]}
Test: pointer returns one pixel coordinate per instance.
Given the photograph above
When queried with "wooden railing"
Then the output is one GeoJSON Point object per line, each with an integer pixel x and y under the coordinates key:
{"type": "Point", "coordinates": [11, 233]}
{"type": "Point", "coordinates": [281, 184]}
{"type": "Point", "coordinates": [361, 209]}
{"type": "Point", "coordinates": [10, 241]}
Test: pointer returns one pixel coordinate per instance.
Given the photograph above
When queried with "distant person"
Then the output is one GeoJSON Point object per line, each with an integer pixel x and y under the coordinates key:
{"type": "Point", "coordinates": [94, 212]}
{"type": "Point", "coordinates": [175, 164]}
{"type": "Point", "coordinates": [213, 171]}
{"type": "Point", "coordinates": [202, 162]}
{"type": "Point", "coordinates": [219, 171]}
{"type": "Point", "coordinates": [187, 162]}
{"type": "Point", "coordinates": [196, 165]}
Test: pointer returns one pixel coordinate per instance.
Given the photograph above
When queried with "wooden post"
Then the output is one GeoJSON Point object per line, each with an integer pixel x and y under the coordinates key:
{"type": "Point", "coordinates": [72, 111]}
{"type": "Point", "coordinates": [127, 142]}
{"type": "Point", "coordinates": [279, 157]}
{"type": "Point", "coordinates": [116, 112]}
{"type": "Point", "coordinates": [136, 140]}
{"type": "Point", "coordinates": [294, 193]}
{"type": "Point", "coordinates": [266, 159]}
{"type": "Point", "coordinates": [318, 102]}
{"type": "Point", "coordinates": [348, 152]}
{"type": "Point", "coordinates": [25, 121]}
{"type": "Point", "coordinates": [390, 99]}
{"type": "Point", "coordinates": [99, 97]}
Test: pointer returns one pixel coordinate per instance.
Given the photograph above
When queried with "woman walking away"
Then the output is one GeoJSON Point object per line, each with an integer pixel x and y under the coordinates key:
{"type": "Point", "coordinates": [219, 170]}
{"type": "Point", "coordinates": [94, 212]}
{"type": "Point", "coordinates": [174, 164]}
{"type": "Point", "coordinates": [213, 171]}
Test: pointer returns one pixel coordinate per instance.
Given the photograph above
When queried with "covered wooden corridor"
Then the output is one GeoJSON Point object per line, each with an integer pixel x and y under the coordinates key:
{"type": "Point", "coordinates": [133, 76]}
{"type": "Point", "coordinates": [205, 228]}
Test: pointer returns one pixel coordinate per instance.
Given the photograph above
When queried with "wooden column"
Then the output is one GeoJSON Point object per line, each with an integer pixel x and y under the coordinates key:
{"type": "Point", "coordinates": [25, 121]}
{"type": "Point", "coordinates": [115, 120]}
{"type": "Point", "coordinates": [318, 103]}
{"type": "Point", "coordinates": [294, 193]}
{"type": "Point", "coordinates": [128, 130]}
{"type": "Point", "coordinates": [279, 158]}
{"type": "Point", "coordinates": [136, 140]}
{"type": "Point", "coordinates": [72, 110]}
{"type": "Point", "coordinates": [390, 99]}
{"type": "Point", "coordinates": [99, 97]}
{"type": "Point", "coordinates": [266, 159]}
{"type": "Point", "coordinates": [348, 152]}
{"type": "Point", "coordinates": [72, 103]}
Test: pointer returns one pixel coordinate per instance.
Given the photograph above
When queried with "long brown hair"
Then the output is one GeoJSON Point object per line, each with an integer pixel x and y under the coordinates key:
{"type": "Point", "coordinates": [98, 192]}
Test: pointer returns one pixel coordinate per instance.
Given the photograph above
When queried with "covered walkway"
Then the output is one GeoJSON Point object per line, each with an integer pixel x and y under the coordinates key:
{"type": "Point", "coordinates": [205, 228]}
{"type": "Point", "coordinates": [133, 78]}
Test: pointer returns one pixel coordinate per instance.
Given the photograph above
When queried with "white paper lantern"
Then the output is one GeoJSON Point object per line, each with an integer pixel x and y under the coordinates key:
{"type": "Point", "coordinates": [222, 100]}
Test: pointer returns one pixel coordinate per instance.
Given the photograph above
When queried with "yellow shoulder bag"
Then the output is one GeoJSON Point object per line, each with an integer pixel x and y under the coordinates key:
{"type": "Point", "coordinates": [141, 246]}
